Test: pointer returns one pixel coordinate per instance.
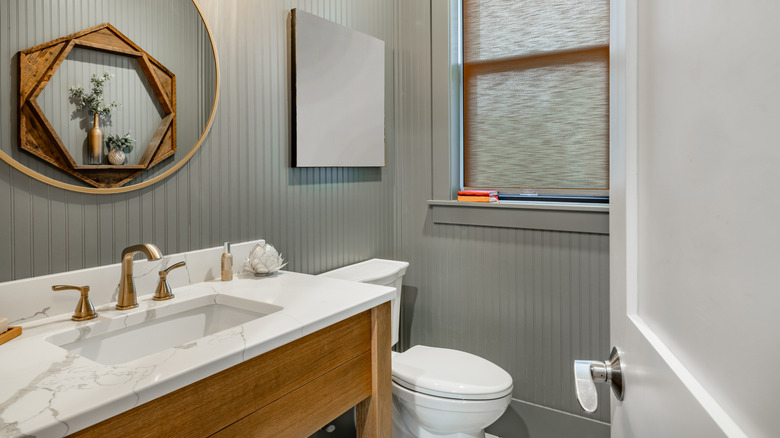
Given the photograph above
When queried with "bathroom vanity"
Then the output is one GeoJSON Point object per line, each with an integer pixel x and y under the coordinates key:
{"type": "Point", "coordinates": [291, 391]}
{"type": "Point", "coordinates": [319, 347]}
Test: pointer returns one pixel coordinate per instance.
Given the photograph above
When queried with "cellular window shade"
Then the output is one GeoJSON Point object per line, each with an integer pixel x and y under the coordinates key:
{"type": "Point", "coordinates": [536, 106]}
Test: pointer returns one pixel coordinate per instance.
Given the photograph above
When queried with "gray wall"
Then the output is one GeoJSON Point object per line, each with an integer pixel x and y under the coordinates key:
{"type": "Point", "coordinates": [531, 301]}
{"type": "Point", "coordinates": [237, 187]}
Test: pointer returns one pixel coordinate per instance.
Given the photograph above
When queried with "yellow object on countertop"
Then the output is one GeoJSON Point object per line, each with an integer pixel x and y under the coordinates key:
{"type": "Point", "coordinates": [9, 334]}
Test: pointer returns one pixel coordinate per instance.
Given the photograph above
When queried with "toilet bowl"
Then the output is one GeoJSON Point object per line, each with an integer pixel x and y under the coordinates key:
{"type": "Point", "coordinates": [437, 392]}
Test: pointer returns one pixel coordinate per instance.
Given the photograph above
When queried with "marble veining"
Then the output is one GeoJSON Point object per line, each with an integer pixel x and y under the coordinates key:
{"type": "Point", "coordinates": [43, 313]}
{"type": "Point", "coordinates": [54, 392]}
{"type": "Point", "coordinates": [39, 301]}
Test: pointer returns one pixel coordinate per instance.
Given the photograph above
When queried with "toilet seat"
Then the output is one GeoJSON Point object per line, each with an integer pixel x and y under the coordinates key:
{"type": "Point", "coordinates": [452, 374]}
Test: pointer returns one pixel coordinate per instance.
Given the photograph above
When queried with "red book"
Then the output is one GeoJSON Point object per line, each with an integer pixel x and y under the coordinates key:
{"type": "Point", "coordinates": [478, 193]}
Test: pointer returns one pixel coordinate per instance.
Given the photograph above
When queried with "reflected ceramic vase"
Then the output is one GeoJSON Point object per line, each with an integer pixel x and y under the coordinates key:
{"type": "Point", "coordinates": [116, 157]}
{"type": "Point", "coordinates": [95, 143]}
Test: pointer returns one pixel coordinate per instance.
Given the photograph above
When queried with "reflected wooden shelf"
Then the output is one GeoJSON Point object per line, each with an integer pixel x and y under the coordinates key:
{"type": "Point", "coordinates": [109, 166]}
{"type": "Point", "coordinates": [38, 137]}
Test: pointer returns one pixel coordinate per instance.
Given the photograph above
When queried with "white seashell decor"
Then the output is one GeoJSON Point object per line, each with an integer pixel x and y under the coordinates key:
{"type": "Point", "coordinates": [264, 259]}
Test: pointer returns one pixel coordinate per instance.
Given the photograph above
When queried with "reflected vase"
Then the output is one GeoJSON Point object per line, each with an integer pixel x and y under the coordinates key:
{"type": "Point", "coordinates": [116, 157]}
{"type": "Point", "coordinates": [95, 143]}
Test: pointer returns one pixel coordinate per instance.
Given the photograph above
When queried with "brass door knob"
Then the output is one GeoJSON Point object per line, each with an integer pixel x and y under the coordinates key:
{"type": "Point", "coordinates": [84, 309]}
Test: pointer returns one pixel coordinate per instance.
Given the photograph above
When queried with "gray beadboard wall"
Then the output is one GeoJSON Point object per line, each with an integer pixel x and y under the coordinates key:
{"type": "Point", "coordinates": [531, 301]}
{"type": "Point", "coordinates": [238, 186]}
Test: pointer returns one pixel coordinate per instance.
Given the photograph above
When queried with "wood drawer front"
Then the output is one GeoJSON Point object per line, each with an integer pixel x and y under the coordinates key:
{"type": "Point", "coordinates": [301, 412]}
{"type": "Point", "coordinates": [209, 405]}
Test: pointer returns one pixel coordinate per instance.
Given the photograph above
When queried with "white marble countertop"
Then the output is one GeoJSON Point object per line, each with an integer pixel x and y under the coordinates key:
{"type": "Point", "coordinates": [47, 391]}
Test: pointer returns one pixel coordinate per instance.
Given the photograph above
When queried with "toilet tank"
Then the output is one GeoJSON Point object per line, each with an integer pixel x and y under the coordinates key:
{"type": "Point", "coordinates": [381, 272]}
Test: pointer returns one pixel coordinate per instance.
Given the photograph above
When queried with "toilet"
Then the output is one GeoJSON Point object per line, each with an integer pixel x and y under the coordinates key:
{"type": "Point", "coordinates": [437, 392]}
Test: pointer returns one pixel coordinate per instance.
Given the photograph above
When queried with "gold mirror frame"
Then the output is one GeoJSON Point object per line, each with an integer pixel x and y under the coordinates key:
{"type": "Point", "coordinates": [123, 189]}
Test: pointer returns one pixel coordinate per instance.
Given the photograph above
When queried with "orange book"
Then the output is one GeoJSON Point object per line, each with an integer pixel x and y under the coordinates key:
{"type": "Point", "coordinates": [462, 198]}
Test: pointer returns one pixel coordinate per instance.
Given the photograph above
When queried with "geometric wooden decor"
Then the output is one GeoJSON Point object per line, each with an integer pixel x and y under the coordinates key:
{"type": "Point", "coordinates": [38, 64]}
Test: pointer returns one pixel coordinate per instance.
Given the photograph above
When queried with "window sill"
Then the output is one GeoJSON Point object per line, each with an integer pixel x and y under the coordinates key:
{"type": "Point", "coordinates": [582, 218]}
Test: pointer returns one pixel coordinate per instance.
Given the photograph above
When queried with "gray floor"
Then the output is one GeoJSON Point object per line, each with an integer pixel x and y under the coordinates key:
{"type": "Point", "coordinates": [526, 420]}
{"type": "Point", "coordinates": [341, 427]}
{"type": "Point", "coordinates": [521, 420]}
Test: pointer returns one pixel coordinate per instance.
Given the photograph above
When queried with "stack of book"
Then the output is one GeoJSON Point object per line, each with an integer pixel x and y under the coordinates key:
{"type": "Point", "coordinates": [478, 196]}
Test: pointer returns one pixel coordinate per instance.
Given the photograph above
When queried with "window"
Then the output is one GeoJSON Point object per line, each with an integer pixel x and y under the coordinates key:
{"type": "Point", "coordinates": [536, 96]}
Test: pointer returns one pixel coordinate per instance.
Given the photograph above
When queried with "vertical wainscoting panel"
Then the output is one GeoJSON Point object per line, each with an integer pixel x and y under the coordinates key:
{"type": "Point", "coordinates": [531, 301]}
{"type": "Point", "coordinates": [238, 186]}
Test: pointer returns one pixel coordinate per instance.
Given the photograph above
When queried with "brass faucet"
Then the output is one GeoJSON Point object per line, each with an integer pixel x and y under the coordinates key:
{"type": "Point", "coordinates": [127, 298]}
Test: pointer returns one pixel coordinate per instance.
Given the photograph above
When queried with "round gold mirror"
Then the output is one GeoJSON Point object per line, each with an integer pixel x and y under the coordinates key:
{"type": "Point", "coordinates": [160, 90]}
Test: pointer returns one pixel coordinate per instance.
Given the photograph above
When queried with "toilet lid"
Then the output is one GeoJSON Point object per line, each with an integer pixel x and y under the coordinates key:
{"type": "Point", "coordinates": [442, 372]}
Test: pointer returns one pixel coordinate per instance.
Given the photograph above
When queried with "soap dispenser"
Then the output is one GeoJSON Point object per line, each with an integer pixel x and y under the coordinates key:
{"type": "Point", "coordinates": [227, 263]}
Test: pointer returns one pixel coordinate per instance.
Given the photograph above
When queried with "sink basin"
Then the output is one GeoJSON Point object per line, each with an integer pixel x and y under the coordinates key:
{"type": "Point", "coordinates": [140, 334]}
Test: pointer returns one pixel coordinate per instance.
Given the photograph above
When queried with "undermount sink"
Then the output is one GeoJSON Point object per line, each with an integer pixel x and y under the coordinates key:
{"type": "Point", "coordinates": [140, 334]}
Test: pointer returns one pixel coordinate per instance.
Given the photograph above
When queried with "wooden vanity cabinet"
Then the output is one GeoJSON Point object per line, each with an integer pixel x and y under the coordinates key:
{"type": "Point", "coordinates": [291, 391]}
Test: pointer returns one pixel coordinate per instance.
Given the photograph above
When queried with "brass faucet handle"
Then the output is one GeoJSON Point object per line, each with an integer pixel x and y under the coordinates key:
{"type": "Point", "coordinates": [164, 291]}
{"type": "Point", "coordinates": [84, 309]}
{"type": "Point", "coordinates": [171, 268]}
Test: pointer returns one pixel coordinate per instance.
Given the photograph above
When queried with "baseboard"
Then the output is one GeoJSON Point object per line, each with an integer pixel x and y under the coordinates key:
{"type": "Point", "coordinates": [527, 420]}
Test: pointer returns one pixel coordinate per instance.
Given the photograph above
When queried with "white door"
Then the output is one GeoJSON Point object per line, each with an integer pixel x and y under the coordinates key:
{"type": "Point", "coordinates": [695, 217]}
